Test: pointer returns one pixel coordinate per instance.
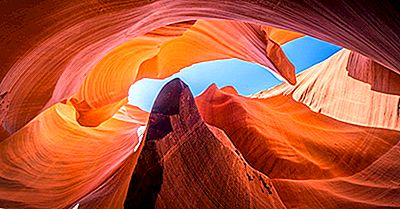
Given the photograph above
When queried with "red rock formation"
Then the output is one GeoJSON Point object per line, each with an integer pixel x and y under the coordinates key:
{"type": "Point", "coordinates": [330, 88]}
{"type": "Point", "coordinates": [158, 54]}
{"type": "Point", "coordinates": [67, 136]}
{"type": "Point", "coordinates": [187, 164]}
{"type": "Point", "coordinates": [54, 162]}
{"type": "Point", "coordinates": [72, 38]}
{"type": "Point", "coordinates": [281, 137]}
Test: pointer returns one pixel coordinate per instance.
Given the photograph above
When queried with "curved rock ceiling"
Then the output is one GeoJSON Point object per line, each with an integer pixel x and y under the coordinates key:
{"type": "Point", "coordinates": [326, 138]}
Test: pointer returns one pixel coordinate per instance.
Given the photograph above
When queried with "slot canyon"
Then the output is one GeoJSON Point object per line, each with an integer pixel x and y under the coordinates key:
{"type": "Point", "coordinates": [325, 137]}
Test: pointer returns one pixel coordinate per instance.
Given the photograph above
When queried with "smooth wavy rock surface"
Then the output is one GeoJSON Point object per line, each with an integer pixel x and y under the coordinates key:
{"type": "Point", "coordinates": [272, 153]}
{"type": "Point", "coordinates": [326, 138]}
{"type": "Point", "coordinates": [48, 49]}
{"type": "Point", "coordinates": [348, 87]}
{"type": "Point", "coordinates": [281, 137]}
{"type": "Point", "coordinates": [157, 54]}
{"type": "Point", "coordinates": [53, 162]}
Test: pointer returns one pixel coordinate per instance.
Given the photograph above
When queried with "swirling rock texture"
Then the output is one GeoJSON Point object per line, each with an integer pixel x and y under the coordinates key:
{"type": "Point", "coordinates": [326, 138]}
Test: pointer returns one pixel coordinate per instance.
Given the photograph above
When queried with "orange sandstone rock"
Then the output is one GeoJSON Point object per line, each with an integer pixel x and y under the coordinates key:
{"type": "Point", "coordinates": [187, 164]}
{"type": "Point", "coordinates": [53, 162]}
{"type": "Point", "coordinates": [49, 49]}
{"type": "Point", "coordinates": [67, 136]}
{"type": "Point", "coordinates": [350, 88]}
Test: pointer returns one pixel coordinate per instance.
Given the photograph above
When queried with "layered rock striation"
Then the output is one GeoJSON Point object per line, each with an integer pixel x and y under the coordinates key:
{"type": "Point", "coordinates": [326, 138]}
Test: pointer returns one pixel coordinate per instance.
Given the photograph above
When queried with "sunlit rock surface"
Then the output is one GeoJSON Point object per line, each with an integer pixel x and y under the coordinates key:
{"type": "Point", "coordinates": [314, 161]}
{"type": "Point", "coordinates": [49, 49]}
{"type": "Point", "coordinates": [326, 138]}
{"type": "Point", "coordinates": [348, 87]}
{"type": "Point", "coordinates": [54, 162]}
{"type": "Point", "coordinates": [97, 95]}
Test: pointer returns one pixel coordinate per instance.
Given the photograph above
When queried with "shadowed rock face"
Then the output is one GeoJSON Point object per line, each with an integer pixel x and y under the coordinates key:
{"type": "Point", "coordinates": [147, 178]}
{"type": "Point", "coordinates": [187, 164]}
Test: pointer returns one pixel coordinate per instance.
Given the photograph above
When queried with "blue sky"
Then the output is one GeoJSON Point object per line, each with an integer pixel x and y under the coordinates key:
{"type": "Point", "coordinates": [247, 78]}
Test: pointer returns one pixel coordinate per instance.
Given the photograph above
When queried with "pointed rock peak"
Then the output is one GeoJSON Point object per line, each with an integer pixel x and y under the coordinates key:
{"type": "Point", "coordinates": [167, 101]}
{"type": "Point", "coordinates": [213, 86]}
{"type": "Point", "coordinates": [174, 105]}
{"type": "Point", "coordinates": [229, 89]}
{"type": "Point", "coordinates": [181, 153]}
{"type": "Point", "coordinates": [210, 90]}
{"type": "Point", "coordinates": [175, 98]}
